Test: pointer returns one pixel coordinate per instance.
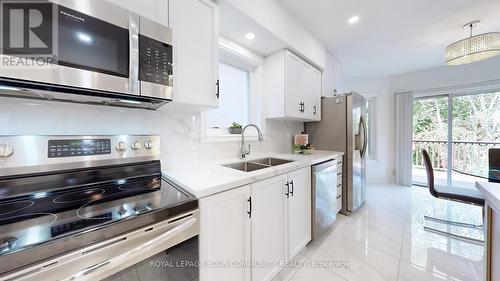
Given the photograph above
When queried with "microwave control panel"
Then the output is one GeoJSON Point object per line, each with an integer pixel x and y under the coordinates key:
{"type": "Point", "coordinates": [155, 61]}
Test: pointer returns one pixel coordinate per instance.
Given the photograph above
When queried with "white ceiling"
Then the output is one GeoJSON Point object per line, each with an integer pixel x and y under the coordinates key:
{"type": "Point", "coordinates": [392, 36]}
{"type": "Point", "coordinates": [234, 24]}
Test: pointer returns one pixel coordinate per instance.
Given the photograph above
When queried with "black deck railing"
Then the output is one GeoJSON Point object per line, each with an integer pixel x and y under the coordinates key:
{"type": "Point", "coordinates": [467, 156]}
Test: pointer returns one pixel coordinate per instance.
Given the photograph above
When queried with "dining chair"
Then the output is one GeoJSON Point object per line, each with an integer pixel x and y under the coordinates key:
{"type": "Point", "coordinates": [494, 165]}
{"type": "Point", "coordinates": [457, 194]}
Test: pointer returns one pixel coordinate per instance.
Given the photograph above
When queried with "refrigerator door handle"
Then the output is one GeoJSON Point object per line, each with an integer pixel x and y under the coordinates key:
{"type": "Point", "coordinates": [365, 137]}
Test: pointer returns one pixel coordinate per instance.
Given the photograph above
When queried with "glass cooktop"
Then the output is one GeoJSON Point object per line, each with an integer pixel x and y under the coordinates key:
{"type": "Point", "coordinates": [41, 217]}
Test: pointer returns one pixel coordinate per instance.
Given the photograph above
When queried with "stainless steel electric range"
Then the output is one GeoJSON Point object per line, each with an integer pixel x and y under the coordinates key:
{"type": "Point", "coordinates": [87, 207]}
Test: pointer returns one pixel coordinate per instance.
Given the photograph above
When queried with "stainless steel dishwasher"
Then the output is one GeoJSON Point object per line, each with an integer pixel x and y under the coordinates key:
{"type": "Point", "coordinates": [324, 197]}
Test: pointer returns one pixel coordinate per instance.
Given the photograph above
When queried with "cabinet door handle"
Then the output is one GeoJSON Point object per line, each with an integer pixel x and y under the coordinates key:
{"type": "Point", "coordinates": [339, 185]}
{"type": "Point", "coordinates": [301, 107]}
{"type": "Point", "coordinates": [338, 196]}
{"type": "Point", "coordinates": [249, 212]}
{"type": "Point", "coordinates": [314, 107]}
{"type": "Point", "coordinates": [291, 184]}
{"type": "Point", "coordinates": [217, 88]}
{"type": "Point", "coordinates": [287, 193]}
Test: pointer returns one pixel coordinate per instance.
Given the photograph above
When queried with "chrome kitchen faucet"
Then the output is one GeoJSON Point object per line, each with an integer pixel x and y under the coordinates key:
{"type": "Point", "coordinates": [245, 151]}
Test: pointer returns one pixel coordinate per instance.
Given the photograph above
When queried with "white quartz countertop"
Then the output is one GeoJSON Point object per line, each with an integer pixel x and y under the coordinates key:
{"type": "Point", "coordinates": [491, 192]}
{"type": "Point", "coordinates": [211, 178]}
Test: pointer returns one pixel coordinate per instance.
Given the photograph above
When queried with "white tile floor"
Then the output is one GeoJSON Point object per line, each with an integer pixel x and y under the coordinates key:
{"type": "Point", "coordinates": [385, 241]}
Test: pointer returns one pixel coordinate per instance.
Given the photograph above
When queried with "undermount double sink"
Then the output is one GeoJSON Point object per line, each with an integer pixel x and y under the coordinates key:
{"type": "Point", "coordinates": [254, 165]}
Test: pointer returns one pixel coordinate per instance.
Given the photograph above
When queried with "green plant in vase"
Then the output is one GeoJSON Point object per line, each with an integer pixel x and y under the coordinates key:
{"type": "Point", "coordinates": [302, 149]}
{"type": "Point", "coordinates": [235, 128]}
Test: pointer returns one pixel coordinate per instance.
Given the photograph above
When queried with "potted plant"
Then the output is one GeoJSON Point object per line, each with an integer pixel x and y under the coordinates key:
{"type": "Point", "coordinates": [235, 128]}
{"type": "Point", "coordinates": [302, 149]}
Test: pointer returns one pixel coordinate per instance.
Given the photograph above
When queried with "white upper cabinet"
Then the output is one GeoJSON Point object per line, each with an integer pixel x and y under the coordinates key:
{"type": "Point", "coordinates": [311, 92]}
{"type": "Point", "coordinates": [195, 26]}
{"type": "Point", "coordinates": [316, 101]}
{"type": "Point", "coordinates": [305, 88]}
{"type": "Point", "coordinates": [292, 87]}
{"type": "Point", "coordinates": [332, 76]}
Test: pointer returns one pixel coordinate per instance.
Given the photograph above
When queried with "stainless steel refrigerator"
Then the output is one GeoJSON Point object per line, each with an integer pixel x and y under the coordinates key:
{"type": "Point", "coordinates": [343, 128]}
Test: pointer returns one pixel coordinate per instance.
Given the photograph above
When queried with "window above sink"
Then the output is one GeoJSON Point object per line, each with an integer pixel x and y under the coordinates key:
{"type": "Point", "coordinates": [240, 74]}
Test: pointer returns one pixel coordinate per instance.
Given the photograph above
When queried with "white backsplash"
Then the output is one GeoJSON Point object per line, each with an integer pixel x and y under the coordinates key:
{"type": "Point", "coordinates": [179, 130]}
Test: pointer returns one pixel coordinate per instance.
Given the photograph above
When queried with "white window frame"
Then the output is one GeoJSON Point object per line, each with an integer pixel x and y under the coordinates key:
{"type": "Point", "coordinates": [235, 55]}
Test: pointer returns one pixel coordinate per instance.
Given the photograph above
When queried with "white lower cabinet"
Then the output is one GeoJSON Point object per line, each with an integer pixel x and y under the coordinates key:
{"type": "Point", "coordinates": [266, 224]}
{"type": "Point", "coordinates": [268, 227]}
{"type": "Point", "coordinates": [225, 235]}
{"type": "Point", "coordinates": [299, 211]}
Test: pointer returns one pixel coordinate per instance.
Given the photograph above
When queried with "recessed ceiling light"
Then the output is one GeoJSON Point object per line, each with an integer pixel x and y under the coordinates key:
{"type": "Point", "coordinates": [353, 19]}
{"type": "Point", "coordinates": [250, 36]}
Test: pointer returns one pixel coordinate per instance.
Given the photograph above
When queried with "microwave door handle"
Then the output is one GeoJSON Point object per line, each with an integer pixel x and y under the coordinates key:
{"type": "Point", "coordinates": [133, 37]}
{"type": "Point", "coordinates": [148, 246]}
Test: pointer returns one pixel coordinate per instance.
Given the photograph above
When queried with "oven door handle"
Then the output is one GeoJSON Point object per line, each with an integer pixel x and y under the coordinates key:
{"type": "Point", "coordinates": [111, 264]}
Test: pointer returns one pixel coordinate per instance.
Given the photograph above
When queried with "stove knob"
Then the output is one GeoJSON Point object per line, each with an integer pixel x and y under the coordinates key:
{"type": "Point", "coordinates": [6, 151]}
{"type": "Point", "coordinates": [139, 209]}
{"type": "Point", "coordinates": [136, 145]}
{"type": "Point", "coordinates": [149, 145]}
{"type": "Point", "coordinates": [121, 146]}
{"type": "Point", "coordinates": [7, 243]}
{"type": "Point", "coordinates": [122, 211]}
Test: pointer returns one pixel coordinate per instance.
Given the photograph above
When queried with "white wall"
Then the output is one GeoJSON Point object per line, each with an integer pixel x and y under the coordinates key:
{"type": "Point", "coordinates": [446, 76]}
{"type": "Point", "coordinates": [156, 10]}
{"type": "Point", "coordinates": [274, 17]}
{"type": "Point", "coordinates": [179, 131]}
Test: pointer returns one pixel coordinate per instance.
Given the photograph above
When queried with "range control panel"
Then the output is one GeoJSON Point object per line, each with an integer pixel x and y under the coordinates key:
{"type": "Point", "coordinates": [155, 61]}
{"type": "Point", "coordinates": [78, 147]}
{"type": "Point", "coordinates": [36, 154]}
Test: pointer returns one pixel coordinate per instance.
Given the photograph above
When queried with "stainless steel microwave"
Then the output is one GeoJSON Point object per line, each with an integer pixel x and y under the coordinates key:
{"type": "Point", "coordinates": [104, 49]}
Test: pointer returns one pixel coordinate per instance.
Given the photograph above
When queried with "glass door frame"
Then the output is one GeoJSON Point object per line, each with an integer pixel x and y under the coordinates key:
{"type": "Point", "coordinates": [449, 148]}
{"type": "Point", "coordinates": [450, 95]}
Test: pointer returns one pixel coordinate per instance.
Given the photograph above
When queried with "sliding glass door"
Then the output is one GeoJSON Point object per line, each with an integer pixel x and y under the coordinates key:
{"type": "Point", "coordinates": [476, 129]}
{"type": "Point", "coordinates": [457, 131]}
{"type": "Point", "coordinates": [430, 132]}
